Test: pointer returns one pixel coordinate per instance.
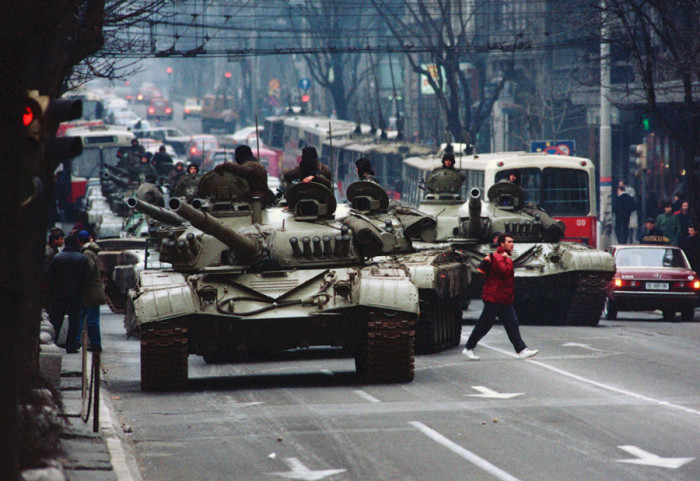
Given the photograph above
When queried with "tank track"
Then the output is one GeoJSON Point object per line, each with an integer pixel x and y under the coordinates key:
{"type": "Point", "coordinates": [164, 352]}
{"type": "Point", "coordinates": [440, 323]}
{"type": "Point", "coordinates": [589, 299]}
{"type": "Point", "coordinates": [386, 354]}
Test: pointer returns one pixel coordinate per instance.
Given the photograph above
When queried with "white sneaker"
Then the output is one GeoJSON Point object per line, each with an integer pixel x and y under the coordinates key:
{"type": "Point", "coordinates": [527, 353]}
{"type": "Point", "coordinates": [470, 354]}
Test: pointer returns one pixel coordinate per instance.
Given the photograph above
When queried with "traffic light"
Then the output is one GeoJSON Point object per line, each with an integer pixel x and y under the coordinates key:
{"type": "Point", "coordinates": [227, 75]}
{"type": "Point", "coordinates": [305, 98]}
{"type": "Point", "coordinates": [169, 70]}
{"type": "Point", "coordinates": [640, 152]}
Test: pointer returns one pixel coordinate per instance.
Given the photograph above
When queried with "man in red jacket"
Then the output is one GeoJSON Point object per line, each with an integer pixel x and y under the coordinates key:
{"type": "Point", "coordinates": [498, 296]}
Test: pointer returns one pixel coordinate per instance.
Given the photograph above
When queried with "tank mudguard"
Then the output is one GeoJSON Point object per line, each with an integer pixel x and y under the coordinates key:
{"type": "Point", "coordinates": [591, 260]}
{"type": "Point", "coordinates": [386, 288]}
{"type": "Point", "coordinates": [161, 295]}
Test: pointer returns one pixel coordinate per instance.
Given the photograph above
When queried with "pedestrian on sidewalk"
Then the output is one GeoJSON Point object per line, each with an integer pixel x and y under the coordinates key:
{"type": "Point", "coordinates": [93, 294]}
{"type": "Point", "coordinates": [67, 275]}
{"type": "Point", "coordinates": [498, 296]}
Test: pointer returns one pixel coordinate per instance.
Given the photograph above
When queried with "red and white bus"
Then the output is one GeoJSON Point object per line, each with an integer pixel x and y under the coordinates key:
{"type": "Point", "coordinates": [563, 186]}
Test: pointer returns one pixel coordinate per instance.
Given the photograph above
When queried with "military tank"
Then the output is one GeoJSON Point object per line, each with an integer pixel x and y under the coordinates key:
{"type": "Point", "coordinates": [555, 281]}
{"type": "Point", "coordinates": [439, 273]}
{"type": "Point", "coordinates": [246, 280]}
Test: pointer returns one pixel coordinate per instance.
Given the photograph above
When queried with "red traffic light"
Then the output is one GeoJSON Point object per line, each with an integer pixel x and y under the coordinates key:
{"type": "Point", "coordinates": [305, 98]}
{"type": "Point", "coordinates": [227, 75]}
{"type": "Point", "coordinates": [169, 70]}
{"type": "Point", "coordinates": [27, 116]}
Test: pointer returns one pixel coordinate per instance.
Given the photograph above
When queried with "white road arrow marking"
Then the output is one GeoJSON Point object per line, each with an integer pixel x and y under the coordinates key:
{"type": "Point", "coordinates": [490, 393]}
{"type": "Point", "coordinates": [650, 459]}
{"type": "Point", "coordinates": [299, 471]}
{"type": "Point", "coordinates": [578, 344]}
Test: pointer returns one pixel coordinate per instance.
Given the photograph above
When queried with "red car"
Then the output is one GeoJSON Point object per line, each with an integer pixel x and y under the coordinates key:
{"type": "Point", "coordinates": [159, 109]}
{"type": "Point", "coordinates": [199, 146]}
{"type": "Point", "coordinates": [652, 277]}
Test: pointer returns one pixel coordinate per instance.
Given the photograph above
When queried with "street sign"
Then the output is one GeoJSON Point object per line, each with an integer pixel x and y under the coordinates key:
{"type": "Point", "coordinates": [560, 147]}
{"type": "Point", "coordinates": [274, 84]}
{"type": "Point", "coordinates": [304, 83]}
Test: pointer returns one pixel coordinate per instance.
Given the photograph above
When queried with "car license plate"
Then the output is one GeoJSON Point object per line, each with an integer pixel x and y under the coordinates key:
{"type": "Point", "coordinates": [657, 286]}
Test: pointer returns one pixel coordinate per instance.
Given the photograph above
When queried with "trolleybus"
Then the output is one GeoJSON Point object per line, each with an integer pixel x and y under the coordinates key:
{"type": "Point", "coordinates": [563, 186]}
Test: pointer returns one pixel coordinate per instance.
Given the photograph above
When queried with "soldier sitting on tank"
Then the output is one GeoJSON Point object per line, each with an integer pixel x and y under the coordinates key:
{"type": "Point", "coordinates": [364, 170]}
{"type": "Point", "coordinates": [446, 179]}
{"type": "Point", "coordinates": [248, 168]}
{"type": "Point", "coordinates": [142, 170]}
{"type": "Point", "coordinates": [188, 185]}
{"type": "Point", "coordinates": [310, 169]}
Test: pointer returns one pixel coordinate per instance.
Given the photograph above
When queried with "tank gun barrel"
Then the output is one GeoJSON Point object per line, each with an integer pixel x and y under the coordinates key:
{"type": "Point", "coordinates": [118, 181]}
{"type": "Point", "coordinates": [155, 212]}
{"type": "Point", "coordinates": [117, 170]}
{"type": "Point", "coordinates": [474, 224]}
{"type": "Point", "coordinates": [244, 247]}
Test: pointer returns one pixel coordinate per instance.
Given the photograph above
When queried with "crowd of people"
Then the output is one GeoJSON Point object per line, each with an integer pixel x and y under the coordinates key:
{"type": "Point", "coordinates": [671, 224]}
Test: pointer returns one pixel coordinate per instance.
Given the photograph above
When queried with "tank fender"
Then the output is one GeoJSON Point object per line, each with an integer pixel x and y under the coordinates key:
{"type": "Point", "coordinates": [389, 288]}
{"type": "Point", "coordinates": [163, 304]}
{"type": "Point", "coordinates": [448, 280]}
{"type": "Point", "coordinates": [588, 260]}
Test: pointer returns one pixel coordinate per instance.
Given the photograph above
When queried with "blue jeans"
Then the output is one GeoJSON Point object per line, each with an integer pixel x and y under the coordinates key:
{"type": "Point", "coordinates": [91, 315]}
{"type": "Point", "coordinates": [507, 316]}
{"type": "Point", "coordinates": [59, 308]}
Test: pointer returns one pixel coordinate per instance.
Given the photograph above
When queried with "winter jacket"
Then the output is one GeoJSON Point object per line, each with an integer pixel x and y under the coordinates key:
{"type": "Point", "coordinates": [323, 175]}
{"type": "Point", "coordinates": [252, 171]}
{"type": "Point", "coordinates": [499, 286]}
{"type": "Point", "coordinates": [94, 292]}
{"type": "Point", "coordinates": [623, 206]}
{"type": "Point", "coordinates": [68, 273]}
{"type": "Point", "coordinates": [691, 247]}
{"type": "Point", "coordinates": [670, 226]}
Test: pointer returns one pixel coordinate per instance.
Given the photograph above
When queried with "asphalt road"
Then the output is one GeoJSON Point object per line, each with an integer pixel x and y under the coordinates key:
{"type": "Point", "coordinates": [617, 402]}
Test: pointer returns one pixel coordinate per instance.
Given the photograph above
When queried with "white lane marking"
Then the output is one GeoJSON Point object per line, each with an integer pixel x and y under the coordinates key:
{"type": "Point", "coordinates": [460, 451]}
{"type": "Point", "coordinates": [366, 396]}
{"type": "Point", "coordinates": [578, 344]}
{"type": "Point", "coordinates": [490, 393]}
{"type": "Point", "coordinates": [114, 444]}
{"type": "Point", "coordinates": [327, 372]}
{"type": "Point", "coordinates": [299, 471]}
{"type": "Point", "coordinates": [600, 384]}
{"type": "Point", "coordinates": [650, 459]}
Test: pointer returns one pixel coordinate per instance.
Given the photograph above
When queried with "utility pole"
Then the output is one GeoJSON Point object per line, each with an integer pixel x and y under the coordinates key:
{"type": "Point", "coordinates": [605, 196]}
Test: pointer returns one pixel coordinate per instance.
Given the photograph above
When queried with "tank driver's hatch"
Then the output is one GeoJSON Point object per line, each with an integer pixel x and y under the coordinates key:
{"type": "Point", "coordinates": [367, 196]}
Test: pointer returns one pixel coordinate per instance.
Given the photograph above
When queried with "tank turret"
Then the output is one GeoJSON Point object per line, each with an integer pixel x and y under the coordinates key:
{"type": "Point", "coordinates": [244, 247]}
{"type": "Point", "coordinates": [156, 212]}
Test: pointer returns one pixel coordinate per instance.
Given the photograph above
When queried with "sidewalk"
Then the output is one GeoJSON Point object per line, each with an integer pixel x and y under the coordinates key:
{"type": "Point", "coordinates": [87, 455]}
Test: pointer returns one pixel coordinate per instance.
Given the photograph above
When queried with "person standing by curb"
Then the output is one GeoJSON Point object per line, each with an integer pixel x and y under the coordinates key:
{"type": "Point", "coordinates": [93, 293]}
{"type": "Point", "coordinates": [498, 296]}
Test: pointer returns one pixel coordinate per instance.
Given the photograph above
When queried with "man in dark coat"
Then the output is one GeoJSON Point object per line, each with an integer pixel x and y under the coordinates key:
{"type": "Point", "coordinates": [498, 296]}
{"type": "Point", "coordinates": [690, 244]}
{"type": "Point", "coordinates": [623, 206]}
{"type": "Point", "coordinates": [248, 168]}
{"type": "Point", "coordinates": [310, 169]}
{"type": "Point", "coordinates": [162, 161]}
{"type": "Point", "coordinates": [93, 293]}
{"type": "Point", "coordinates": [650, 234]}
{"type": "Point", "coordinates": [68, 274]}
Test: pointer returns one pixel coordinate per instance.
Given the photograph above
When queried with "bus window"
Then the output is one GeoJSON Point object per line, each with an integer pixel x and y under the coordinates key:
{"type": "Point", "coordinates": [565, 192]}
{"type": "Point", "coordinates": [87, 164]}
{"type": "Point", "coordinates": [109, 155]}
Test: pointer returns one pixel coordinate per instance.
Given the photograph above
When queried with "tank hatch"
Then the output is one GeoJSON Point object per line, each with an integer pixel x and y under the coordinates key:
{"type": "Point", "coordinates": [366, 196]}
{"type": "Point", "coordinates": [506, 195]}
{"type": "Point", "coordinates": [310, 201]}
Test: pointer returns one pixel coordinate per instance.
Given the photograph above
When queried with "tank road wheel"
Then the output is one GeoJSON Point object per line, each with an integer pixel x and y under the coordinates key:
{"type": "Point", "coordinates": [610, 310]}
{"type": "Point", "coordinates": [164, 353]}
{"type": "Point", "coordinates": [589, 299]}
{"type": "Point", "coordinates": [386, 354]}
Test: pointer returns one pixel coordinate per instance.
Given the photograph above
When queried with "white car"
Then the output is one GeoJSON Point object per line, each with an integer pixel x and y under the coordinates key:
{"type": "Point", "coordinates": [245, 135]}
{"type": "Point", "coordinates": [126, 117]}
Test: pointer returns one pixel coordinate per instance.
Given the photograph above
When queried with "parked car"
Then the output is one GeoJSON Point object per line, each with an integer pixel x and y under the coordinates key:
{"type": "Point", "coordinates": [651, 277]}
{"type": "Point", "coordinates": [160, 109]}
{"type": "Point", "coordinates": [198, 146]}
{"type": "Point", "coordinates": [148, 92]}
{"type": "Point", "coordinates": [214, 157]}
{"type": "Point", "coordinates": [192, 108]}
